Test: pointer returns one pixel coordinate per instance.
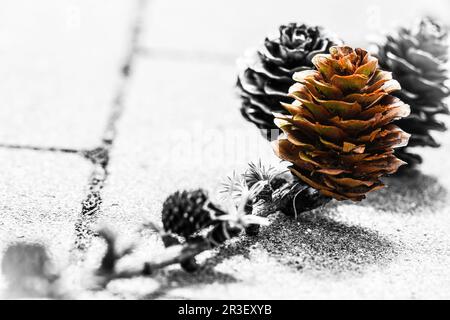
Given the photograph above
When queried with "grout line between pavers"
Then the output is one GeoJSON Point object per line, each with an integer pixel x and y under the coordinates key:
{"type": "Point", "coordinates": [38, 148]}
{"type": "Point", "coordinates": [91, 204]}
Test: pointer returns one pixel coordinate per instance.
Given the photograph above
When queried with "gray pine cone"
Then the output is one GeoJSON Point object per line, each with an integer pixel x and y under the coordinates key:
{"type": "Point", "coordinates": [266, 74]}
{"type": "Point", "coordinates": [417, 58]}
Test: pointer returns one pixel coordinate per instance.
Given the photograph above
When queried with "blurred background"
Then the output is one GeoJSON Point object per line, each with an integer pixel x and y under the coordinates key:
{"type": "Point", "coordinates": [231, 26]}
{"type": "Point", "coordinates": [60, 58]}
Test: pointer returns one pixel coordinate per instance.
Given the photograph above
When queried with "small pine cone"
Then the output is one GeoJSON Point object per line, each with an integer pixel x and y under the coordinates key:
{"type": "Point", "coordinates": [267, 74]}
{"type": "Point", "coordinates": [187, 212]}
{"type": "Point", "coordinates": [338, 136]}
{"type": "Point", "coordinates": [416, 58]}
{"type": "Point", "coordinates": [277, 183]}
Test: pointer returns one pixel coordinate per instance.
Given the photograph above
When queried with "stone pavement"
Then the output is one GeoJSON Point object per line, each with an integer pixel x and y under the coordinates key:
{"type": "Point", "coordinates": [109, 106]}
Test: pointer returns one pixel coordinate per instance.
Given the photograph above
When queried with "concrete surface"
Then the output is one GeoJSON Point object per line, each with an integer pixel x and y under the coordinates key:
{"type": "Point", "coordinates": [59, 69]}
{"type": "Point", "coordinates": [181, 128]}
{"type": "Point", "coordinates": [40, 198]}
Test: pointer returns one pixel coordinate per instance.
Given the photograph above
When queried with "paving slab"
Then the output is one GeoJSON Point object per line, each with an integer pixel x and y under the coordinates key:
{"type": "Point", "coordinates": [40, 199]}
{"type": "Point", "coordinates": [393, 245]}
{"type": "Point", "coordinates": [60, 67]}
{"type": "Point", "coordinates": [228, 28]}
{"type": "Point", "coordinates": [181, 129]}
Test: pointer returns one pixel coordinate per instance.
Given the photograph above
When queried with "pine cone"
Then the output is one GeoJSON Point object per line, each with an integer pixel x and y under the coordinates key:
{"type": "Point", "coordinates": [267, 75]}
{"type": "Point", "coordinates": [416, 58]}
{"type": "Point", "coordinates": [187, 212]}
{"type": "Point", "coordinates": [339, 135]}
{"type": "Point", "coordinates": [298, 198]}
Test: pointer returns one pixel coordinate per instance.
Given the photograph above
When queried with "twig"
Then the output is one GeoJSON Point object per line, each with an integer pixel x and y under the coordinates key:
{"type": "Point", "coordinates": [176, 254]}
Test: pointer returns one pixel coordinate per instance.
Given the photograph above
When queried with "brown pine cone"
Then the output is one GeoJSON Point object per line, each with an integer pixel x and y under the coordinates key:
{"type": "Point", "coordinates": [338, 136]}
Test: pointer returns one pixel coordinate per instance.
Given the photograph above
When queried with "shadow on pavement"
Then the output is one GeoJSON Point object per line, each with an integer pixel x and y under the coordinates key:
{"type": "Point", "coordinates": [314, 243]}
{"type": "Point", "coordinates": [412, 192]}
{"type": "Point", "coordinates": [178, 278]}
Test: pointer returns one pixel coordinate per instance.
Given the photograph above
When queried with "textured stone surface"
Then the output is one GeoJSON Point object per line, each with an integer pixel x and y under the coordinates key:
{"type": "Point", "coordinates": [40, 199]}
{"type": "Point", "coordinates": [60, 65]}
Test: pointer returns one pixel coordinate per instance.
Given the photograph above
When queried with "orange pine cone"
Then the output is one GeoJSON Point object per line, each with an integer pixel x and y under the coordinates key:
{"type": "Point", "coordinates": [338, 136]}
